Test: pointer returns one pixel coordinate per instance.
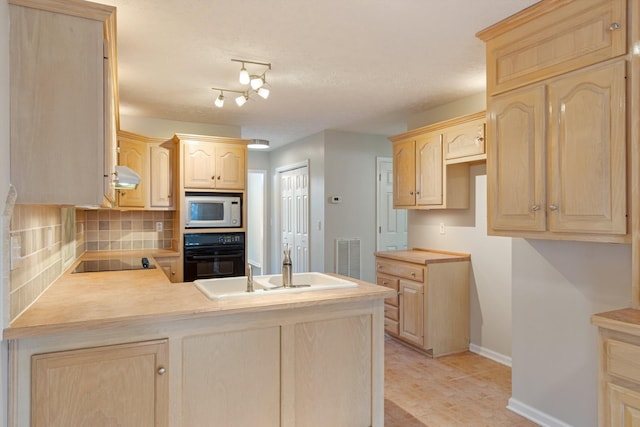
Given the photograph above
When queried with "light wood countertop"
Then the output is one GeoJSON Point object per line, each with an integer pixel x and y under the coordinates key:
{"type": "Point", "coordinates": [625, 320]}
{"type": "Point", "coordinates": [424, 256]}
{"type": "Point", "coordinates": [94, 300]}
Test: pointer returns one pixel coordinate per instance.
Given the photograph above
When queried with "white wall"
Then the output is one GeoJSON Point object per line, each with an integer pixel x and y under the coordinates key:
{"type": "Point", "coordinates": [162, 128]}
{"type": "Point", "coordinates": [350, 172]}
{"type": "Point", "coordinates": [310, 148]}
{"type": "Point", "coordinates": [490, 284]}
{"type": "Point", "coordinates": [4, 187]}
{"type": "Point", "coordinates": [557, 286]}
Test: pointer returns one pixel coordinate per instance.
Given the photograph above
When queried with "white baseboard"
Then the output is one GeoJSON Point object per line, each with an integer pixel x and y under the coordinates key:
{"type": "Point", "coordinates": [534, 415]}
{"type": "Point", "coordinates": [490, 354]}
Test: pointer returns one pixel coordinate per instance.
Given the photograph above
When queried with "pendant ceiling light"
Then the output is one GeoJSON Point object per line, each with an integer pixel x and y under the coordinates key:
{"type": "Point", "coordinates": [256, 83]}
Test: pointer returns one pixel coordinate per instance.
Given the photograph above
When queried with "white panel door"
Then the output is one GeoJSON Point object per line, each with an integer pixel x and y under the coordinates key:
{"type": "Point", "coordinates": [392, 223]}
{"type": "Point", "coordinates": [294, 214]}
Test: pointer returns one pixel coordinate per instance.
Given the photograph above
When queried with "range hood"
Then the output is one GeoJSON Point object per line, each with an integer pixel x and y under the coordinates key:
{"type": "Point", "coordinates": [126, 178]}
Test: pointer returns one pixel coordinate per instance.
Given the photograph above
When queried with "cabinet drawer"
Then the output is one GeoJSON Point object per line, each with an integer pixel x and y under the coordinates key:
{"type": "Point", "coordinates": [404, 270]}
{"type": "Point", "coordinates": [391, 326]}
{"type": "Point", "coordinates": [389, 282]}
{"type": "Point", "coordinates": [463, 140]}
{"type": "Point", "coordinates": [548, 41]}
{"type": "Point", "coordinates": [623, 360]}
{"type": "Point", "coordinates": [390, 312]}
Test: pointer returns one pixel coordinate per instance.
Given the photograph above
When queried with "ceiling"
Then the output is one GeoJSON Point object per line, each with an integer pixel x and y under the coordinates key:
{"type": "Point", "coordinates": [352, 65]}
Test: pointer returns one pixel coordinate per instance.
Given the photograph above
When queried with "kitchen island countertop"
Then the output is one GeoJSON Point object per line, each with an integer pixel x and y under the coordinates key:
{"type": "Point", "coordinates": [77, 302]}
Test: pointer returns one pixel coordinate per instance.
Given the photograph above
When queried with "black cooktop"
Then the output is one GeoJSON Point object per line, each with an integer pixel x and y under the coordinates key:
{"type": "Point", "coordinates": [113, 264]}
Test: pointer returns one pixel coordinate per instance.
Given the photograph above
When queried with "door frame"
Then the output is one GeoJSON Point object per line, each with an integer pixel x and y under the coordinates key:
{"type": "Point", "coordinates": [265, 258]}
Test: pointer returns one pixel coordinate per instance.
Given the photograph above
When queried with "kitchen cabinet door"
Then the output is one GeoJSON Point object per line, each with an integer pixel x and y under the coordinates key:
{"type": "Point", "coordinates": [161, 161]}
{"type": "Point", "coordinates": [516, 161]}
{"type": "Point", "coordinates": [412, 312]}
{"type": "Point", "coordinates": [231, 172]}
{"type": "Point", "coordinates": [429, 169]}
{"type": "Point", "coordinates": [404, 173]}
{"type": "Point", "coordinates": [199, 165]}
{"type": "Point", "coordinates": [587, 170]}
{"type": "Point", "coordinates": [123, 385]}
{"type": "Point", "coordinates": [465, 140]}
{"type": "Point", "coordinates": [133, 154]}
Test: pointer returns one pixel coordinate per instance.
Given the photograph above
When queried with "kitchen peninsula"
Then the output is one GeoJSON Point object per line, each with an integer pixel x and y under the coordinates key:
{"type": "Point", "coordinates": [167, 355]}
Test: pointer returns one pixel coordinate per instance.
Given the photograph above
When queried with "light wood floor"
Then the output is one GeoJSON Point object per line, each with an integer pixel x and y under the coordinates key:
{"type": "Point", "coordinates": [458, 390]}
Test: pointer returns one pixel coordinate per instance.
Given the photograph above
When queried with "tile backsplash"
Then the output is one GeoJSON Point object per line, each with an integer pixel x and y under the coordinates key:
{"type": "Point", "coordinates": [35, 243]}
{"type": "Point", "coordinates": [109, 230]}
{"type": "Point", "coordinates": [41, 237]}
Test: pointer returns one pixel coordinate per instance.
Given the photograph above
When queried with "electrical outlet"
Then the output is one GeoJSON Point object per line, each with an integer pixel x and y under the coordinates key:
{"type": "Point", "coordinates": [442, 230]}
{"type": "Point", "coordinates": [159, 226]}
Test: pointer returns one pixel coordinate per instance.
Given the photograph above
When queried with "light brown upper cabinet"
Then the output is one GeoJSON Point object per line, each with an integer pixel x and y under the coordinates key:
{"type": "Point", "coordinates": [210, 165]}
{"type": "Point", "coordinates": [431, 164]}
{"type": "Point", "coordinates": [557, 147]}
{"type": "Point", "coordinates": [64, 113]}
{"type": "Point", "coordinates": [553, 38]}
{"type": "Point", "coordinates": [133, 154]}
{"type": "Point", "coordinates": [154, 159]}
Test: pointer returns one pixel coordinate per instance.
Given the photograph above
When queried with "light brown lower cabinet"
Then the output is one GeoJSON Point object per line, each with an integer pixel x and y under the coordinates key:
{"type": "Point", "coordinates": [116, 385]}
{"type": "Point", "coordinates": [321, 365]}
{"type": "Point", "coordinates": [169, 266]}
{"type": "Point", "coordinates": [431, 308]}
{"type": "Point", "coordinates": [619, 373]}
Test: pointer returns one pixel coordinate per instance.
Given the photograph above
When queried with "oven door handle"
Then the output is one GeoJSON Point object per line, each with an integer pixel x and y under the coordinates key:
{"type": "Point", "coordinates": [212, 257]}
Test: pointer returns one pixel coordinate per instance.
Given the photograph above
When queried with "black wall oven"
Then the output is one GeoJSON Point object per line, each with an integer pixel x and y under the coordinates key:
{"type": "Point", "coordinates": [213, 255]}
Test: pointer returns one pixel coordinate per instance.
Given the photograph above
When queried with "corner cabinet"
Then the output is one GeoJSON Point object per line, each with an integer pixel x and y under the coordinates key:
{"type": "Point", "coordinates": [431, 308]}
{"type": "Point", "coordinates": [64, 102]}
{"type": "Point", "coordinates": [431, 164]}
{"type": "Point", "coordinates": [557, 137]}
{"type": "Point", "coordinates": [154, 159]}
{"type": "Point", "coordinates": [123, 384]}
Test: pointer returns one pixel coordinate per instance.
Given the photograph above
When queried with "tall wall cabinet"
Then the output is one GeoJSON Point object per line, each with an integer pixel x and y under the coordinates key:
{"type": "Point", "coordinates": [557, 161]}
{"type": "Point", "coordinates": [563, 86]}
{"type": "Point", "coordinates": [64, 101]}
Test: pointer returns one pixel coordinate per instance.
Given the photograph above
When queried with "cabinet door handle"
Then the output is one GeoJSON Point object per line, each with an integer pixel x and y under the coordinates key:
{"type": "Point", "coordinates": [614, 26]}
{"type": "Point", "coordinates": [213, 177]}
{"type": "Point", "coordinates": [553, 207]}
{"type": "Point", "coordinates": [479, 139]}
{"type": "Point", "coordinates": [413, 274]}
{"type": "Point", "coordinates": [161, 371]}
{"type": "Point", "coordinates": [218, 178]}
{"type": "Point", "coordinates": [535, 208]}
{"type": "Point", "coordinates": [399, 293]}
{"type": "Point", "coordinates": [411, 193]}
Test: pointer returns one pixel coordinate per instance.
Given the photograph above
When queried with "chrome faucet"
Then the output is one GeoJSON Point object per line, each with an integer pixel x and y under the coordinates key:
{"type": "Point", "coordinates": [250, 279]}
{"type": "Point", "coordinates": [287, 281]}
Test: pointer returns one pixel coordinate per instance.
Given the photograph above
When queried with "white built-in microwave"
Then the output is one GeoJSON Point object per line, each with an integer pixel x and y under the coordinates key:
{"type": "Point", "coordinates": [213, 211]}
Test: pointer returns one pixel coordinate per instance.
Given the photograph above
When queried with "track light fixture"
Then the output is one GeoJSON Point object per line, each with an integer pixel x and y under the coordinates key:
{"type": "Point", "coordinates": [256, 83]}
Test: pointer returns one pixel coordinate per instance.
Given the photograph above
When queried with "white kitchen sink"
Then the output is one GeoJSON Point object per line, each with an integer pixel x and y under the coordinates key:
{"type": "Point", "coordinates": [236, 287]}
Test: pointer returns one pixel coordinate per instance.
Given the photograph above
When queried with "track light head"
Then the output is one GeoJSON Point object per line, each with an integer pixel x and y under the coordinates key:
{"type": "Point", "coordinates": [219, 100]}
{"type": "Point", "coordinates": [244, 76]}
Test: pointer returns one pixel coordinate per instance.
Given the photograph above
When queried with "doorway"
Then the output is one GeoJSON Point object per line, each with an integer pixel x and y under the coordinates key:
{"type": "Point", "coordinates": [256, 227]}
{"type": "Point", "coordinates": [391, 224]}
{"type": "Point", "coordinates": [294, 214]}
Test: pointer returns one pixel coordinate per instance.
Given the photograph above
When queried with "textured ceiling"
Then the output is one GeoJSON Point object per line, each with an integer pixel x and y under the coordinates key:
{"type": "Point", "coordinates": [353, 65]}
